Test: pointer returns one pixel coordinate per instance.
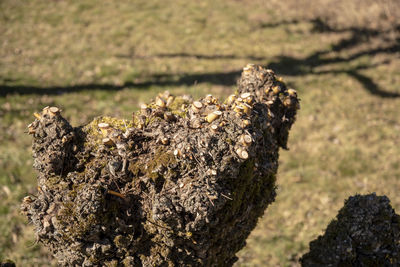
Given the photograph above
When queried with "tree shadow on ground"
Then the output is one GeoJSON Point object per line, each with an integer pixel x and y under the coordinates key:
{"type": "Point", "coordinates": [217, 78]}
{"type": "Point", "coordinates": [187, 55]}
{"type": "Point", "coordinates": [284, 65]}
{"type": "Point", "coordinates": [301, 66]}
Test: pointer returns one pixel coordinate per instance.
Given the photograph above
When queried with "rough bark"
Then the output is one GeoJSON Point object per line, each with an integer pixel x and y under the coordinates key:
{"type": "Point", "coordinates": [365, 233]}
{"type": "Point", "coordinates": [183, 183]}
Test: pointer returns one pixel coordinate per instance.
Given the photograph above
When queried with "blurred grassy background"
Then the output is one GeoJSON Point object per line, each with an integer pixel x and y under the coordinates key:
{"type": "Point", "coordinates": [104, 57]}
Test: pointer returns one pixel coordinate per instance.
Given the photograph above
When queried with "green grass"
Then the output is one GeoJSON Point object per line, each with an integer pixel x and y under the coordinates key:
{"type": "Point", "coordinates": [104, 58]}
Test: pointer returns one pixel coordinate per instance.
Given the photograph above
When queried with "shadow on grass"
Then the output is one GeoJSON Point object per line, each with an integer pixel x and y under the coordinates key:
{"type": "Point", "coordinates": [284, 65]}
{"type": "Point", "coordinates": [227, 78]}
{"type": "Point", "coordinates": [302, 66]}
{"type": "Point", "coordinates": [187, 55]}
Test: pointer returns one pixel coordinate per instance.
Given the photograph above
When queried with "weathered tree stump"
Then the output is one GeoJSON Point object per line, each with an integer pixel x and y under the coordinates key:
{"type": "Point", "coordinates": [183, 183]}
{"type": "Point", "coordinates": [365, 233]}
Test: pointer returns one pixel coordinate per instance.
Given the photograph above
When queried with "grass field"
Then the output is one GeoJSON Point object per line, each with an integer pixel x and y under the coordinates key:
{"type": "Point", "coordinates": [105, 57]}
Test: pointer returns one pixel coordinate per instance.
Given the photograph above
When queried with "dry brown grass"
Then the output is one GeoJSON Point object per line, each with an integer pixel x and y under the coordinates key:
{"type": "Point", "coordinates": [104, 58]}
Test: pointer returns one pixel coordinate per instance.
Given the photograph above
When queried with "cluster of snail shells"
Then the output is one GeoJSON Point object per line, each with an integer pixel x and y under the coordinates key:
{"type": "Point", "coordinates": [288, 97]}
{"type": "Point", "coordinates": [158, 108]}
{"type": "Point", "coordinates": [209, 112]}
{"type": "Point", "coordinates": [109, 136]}
{"type": "Point", "coordinates": [213, 110]}
{"type": "Point", "coordinates": [49, 111]}
{"type": "Point", "coordinates": [241, 104]}
{"type": "Point", "coordinates": [113, 137]}
{"type": "Point", "coordinates": [206, 112]}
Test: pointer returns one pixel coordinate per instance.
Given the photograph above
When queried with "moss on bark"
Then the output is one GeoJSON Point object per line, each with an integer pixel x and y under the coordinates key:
{"type": "Point", "coordinates": [182, 183]}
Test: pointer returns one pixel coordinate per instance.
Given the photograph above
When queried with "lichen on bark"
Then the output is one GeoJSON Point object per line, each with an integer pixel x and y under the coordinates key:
{"type": "Point", "coordinates": [182, 183]}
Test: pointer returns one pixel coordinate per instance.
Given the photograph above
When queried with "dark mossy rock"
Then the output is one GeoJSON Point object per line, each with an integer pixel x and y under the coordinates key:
{"type": "Point", "coordinates": [365, 233]}
{"type": "Point", "coordinates": [181, 184]}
